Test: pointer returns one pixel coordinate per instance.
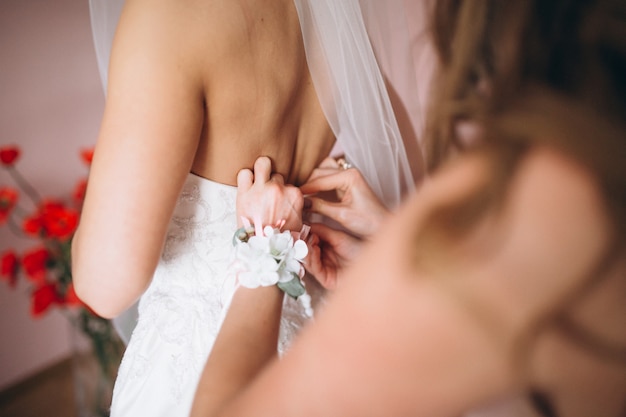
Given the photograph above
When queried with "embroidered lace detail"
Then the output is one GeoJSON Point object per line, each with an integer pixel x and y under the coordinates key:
{"type": "Point", "coordinates": [182, 310]}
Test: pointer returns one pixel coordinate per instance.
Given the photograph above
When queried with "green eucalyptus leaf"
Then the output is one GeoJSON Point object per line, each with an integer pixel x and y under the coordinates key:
{"type": "Point", "coordinates": [293, 288]}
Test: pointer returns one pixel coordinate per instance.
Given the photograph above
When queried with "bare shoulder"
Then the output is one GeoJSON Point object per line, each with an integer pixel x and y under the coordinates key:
{"type": "Point", "coordinates": [186, 32]}
{"type": "Point", "coordinates": [546, 235]}
{"type": "Point", "coordinates": [204, 40]}
{"type": "Point", "coordinates": [216, 24]}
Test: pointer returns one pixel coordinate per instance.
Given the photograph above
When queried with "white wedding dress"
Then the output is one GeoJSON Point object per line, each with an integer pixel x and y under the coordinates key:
{"type": "Point", "coordinates": [180, 313]}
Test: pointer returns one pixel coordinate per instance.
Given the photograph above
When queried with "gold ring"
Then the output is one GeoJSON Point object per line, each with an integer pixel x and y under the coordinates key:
{"type": "Point", "coordinates": [343, 164]}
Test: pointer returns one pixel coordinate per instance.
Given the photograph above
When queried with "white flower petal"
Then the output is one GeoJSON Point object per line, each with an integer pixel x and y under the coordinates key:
{"type": "Point", "coordinates": [268, 278]}
{"type": "Point", "coordinates": [259, 243]}
{"type": "Point", "coordinates": [300, 250]}
{"type": "Point", "coordinates": [266, 260]}
{"type": "Point", "coordinates": [280, 243]}
{"type": "Point", "coordinates": [267, 263]}
{"type": "Point", "coordinates": [292, 265]}
{"type": "Point", "coordinates": [284, 276]}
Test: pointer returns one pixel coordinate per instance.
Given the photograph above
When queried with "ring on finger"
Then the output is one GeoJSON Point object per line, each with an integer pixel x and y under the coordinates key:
{"type": "Point", "coordinates": [343, 164]}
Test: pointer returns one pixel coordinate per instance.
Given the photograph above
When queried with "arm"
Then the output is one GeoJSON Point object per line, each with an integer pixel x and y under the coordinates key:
{"type": "Point", "coordinates": [400, 339]}
{"type": "Point", "coordinates": [145, 148]}
{"type": "Point", "coordinates": [242, 349]}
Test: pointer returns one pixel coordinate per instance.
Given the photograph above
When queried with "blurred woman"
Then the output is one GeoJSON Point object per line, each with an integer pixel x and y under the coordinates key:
{"type": "Point", "coordinates": [504, 275]}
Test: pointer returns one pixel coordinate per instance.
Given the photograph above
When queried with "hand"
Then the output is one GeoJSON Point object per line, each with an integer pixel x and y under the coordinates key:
{"type": "Point", "coordinates": [330, 251]}
{"type": "Point", "coordinates": [264, 199]}
{"type": "Point", "coordinates": [357, 208]}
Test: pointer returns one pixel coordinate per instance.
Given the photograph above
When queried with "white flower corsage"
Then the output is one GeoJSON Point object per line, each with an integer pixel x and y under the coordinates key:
{"type": "Point", "coordinates": [273, 258]}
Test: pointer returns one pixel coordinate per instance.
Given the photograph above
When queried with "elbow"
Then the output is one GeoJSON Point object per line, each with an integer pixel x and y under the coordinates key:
{"type": "Point", "coordinates": [95, 302]}
{"type": "Point", "coordinates": [93, 297]}
{"type": "Point", "coordinates": [95, 288]}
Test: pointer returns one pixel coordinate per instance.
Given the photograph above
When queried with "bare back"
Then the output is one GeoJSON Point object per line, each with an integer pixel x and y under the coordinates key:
{"type": "Point", "coordinates": [258, 94]}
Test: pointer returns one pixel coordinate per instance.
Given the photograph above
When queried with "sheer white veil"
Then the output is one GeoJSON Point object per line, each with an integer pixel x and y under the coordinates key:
{"type": "Point", "coordinates": [353, 95]}
{"type": "Point", "coordinates": [400, 34]}
{"type": "Point", "coordinates": [104, 17]}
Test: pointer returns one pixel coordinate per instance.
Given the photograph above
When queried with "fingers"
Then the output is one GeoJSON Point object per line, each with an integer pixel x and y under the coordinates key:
{"type": "Point", "coordinates": [277, 178]}
{"type": "Point", "coordinates": [263, 172]}
{"type": "Point", "coordinates": [327, 234]}
{"type": "Point", "coordinates": [337, 180]}
{"type": "Point", "coordinates": [329, 162]}
{"type": "Point", "coordinates": [313, 261]}
{"type": "Point", "coordinates": [339, 246]}
{"type": "Point", "coordinates": [262, 169]}
{"type": "Point", "coordinates": [245, 178]}
{"type": "Point", "coordinates": [328, 166]}
{"type": "Point", "coordinates": [295, 197]}
{"type": "Point", "coordinates": [335, 211]}
{"type": "Point", "coordinates": [265, 199]}
{"type": "Point", "coordinates": [290, 211]}
{"type": "Point", "coordinates": [320, 265]}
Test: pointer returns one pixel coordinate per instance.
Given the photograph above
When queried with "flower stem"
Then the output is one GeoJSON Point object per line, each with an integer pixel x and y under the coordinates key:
{"type": "Point", "coordinates": [25, 185]}
{"type": "Point", "coordinates": [14, 227]}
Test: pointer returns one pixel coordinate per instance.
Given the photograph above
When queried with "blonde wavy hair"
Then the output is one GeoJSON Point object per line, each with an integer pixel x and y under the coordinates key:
{"type": "Point", "coordinates": [531, 72]}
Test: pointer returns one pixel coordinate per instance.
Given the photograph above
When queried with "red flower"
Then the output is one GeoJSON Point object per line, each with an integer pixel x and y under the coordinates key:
{"type": "Point", "coordinates": [9, 266]}
{"type": "Point", "coordinates": [86, 155]}
{"type": "Point", "coordinates": [35, 263]}
{"type": "Point", "coordinates": [32, 225]}
{"type": "Point", "coordinates": [8, 198]}
{"type": "Point", "coordinates": [52, 219]}
{"type": "Point", "coordinates": [79, 191]}
{"type": "Point", "coordinates": [43, 298]}
{"type": "Point", "coordinates": [9, 154]}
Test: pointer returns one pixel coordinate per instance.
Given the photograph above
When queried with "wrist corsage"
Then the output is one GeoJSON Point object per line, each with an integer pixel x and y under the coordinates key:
{"type": "Point", "coordinates": [270, 258]}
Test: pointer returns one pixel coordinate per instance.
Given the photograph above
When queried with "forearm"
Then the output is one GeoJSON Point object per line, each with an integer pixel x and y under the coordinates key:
{"type": "Point", "coordinates": [105, 276]}
{"type": "Point", "coordinates": [246, 343]}
{"type": "Point", "coordinates": [122, 229]}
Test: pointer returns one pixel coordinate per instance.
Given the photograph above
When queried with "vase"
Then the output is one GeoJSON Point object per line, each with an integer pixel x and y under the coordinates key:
{"type": "Point", "coordinates": [98, 352]}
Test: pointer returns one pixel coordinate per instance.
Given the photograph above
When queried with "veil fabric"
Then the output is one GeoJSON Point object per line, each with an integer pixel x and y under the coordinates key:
{"type": "Point", "coordinates": [353, 96]}
{"type": "Point", "coordinates": [104, 17]}
{"type": "Point", "coordinates": [400, 34]}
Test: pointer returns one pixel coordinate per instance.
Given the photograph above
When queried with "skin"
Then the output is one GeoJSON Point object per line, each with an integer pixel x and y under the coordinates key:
{"type": "Point", "coordinates": [194, 85]}
{"type": "Point", "coordinates": [429, 331]}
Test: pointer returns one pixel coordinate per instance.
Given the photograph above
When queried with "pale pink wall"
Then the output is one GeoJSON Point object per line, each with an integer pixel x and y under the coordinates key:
{"type": "Point", "coordinates": [50, 105]}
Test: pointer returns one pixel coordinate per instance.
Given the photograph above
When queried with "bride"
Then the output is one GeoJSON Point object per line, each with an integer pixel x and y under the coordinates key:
{"type": "Point", "coordinates": [196, 91]}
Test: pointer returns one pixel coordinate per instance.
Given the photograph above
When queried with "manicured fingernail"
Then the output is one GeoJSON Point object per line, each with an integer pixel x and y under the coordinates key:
{"type": "Point", "coordinates": [307, 203]}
